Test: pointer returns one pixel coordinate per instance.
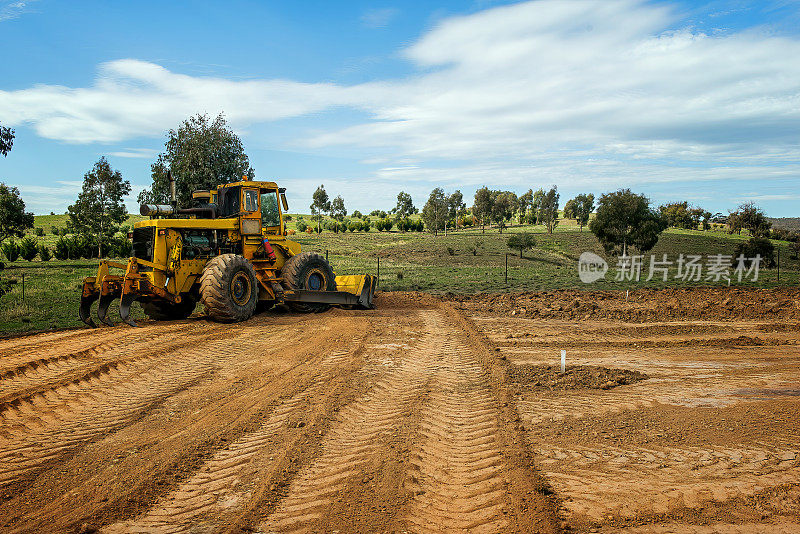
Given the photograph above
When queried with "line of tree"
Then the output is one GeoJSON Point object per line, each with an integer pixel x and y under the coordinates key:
{"type": "Point", "coordinates": [496, 206]}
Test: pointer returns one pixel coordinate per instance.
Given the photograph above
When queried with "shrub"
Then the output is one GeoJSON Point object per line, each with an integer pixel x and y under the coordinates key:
{"type": "Point", "coordinates": [290, 232]}
{"type": "Point", "coordinates": [54, 230]}
{"type": "Point", "coordinates": [420, 226]}
{"type": "Point", "coordinates": [387, 224]}
{"type": "Point", "coordinates": [61, 251]}
{"type": "Point", "coordinates": [44, 253]}
{"type": "Point", "coordinates": [342, 226]}
{"type": "Point", "coordinates": [39, 232]}
{"type": "Point", "coordinates": [451, 251]}
{"type": "Point", "coordinates": [10, 251]}
{"type": "Point", "coordinates": [28, 249]}
{"type": "Point", "coordinates": [756, 246]}
{"type": "Point", "coordinates": [521, 242]}
{"type": "Point", "coordinates": [357, 214]}
{"type": "Point", "coordinates": [301, 225]}
{"type": "Point", "coordinates": [365, 226]}
{"type": "Point", "coordinates": [309, 230]}
{"type": "Point", "coordinates": [287, 217]}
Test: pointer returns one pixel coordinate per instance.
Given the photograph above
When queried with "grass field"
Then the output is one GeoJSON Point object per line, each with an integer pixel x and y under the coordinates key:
{"type": "Point", "coordinates": [466, 261]}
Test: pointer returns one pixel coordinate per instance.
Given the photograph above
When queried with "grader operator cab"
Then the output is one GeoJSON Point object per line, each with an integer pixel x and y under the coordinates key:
{"type": "Point", "coordinates": [229, 252]}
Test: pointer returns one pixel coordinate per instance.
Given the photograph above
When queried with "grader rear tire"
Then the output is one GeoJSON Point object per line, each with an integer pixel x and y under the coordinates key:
{"type": "Point", "coordinates": [229, 289]}
{"type": "Point", "coordinates": [310, 271]}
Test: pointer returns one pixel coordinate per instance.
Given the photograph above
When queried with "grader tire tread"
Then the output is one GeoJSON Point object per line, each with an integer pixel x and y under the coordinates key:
{"type": "Point", "coordinates": [215, 288]}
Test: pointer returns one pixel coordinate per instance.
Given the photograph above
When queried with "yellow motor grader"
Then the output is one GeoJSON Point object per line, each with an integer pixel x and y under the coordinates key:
{"type": "Point", "coordinates": [229, 252]}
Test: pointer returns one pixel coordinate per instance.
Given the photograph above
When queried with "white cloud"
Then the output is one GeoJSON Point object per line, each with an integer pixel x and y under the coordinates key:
{"type": "Point", "coordinates": [135, 98]}
{"type": "Point", "coordinates": [141, 153]}
{"type": "Point", "coordinates": [587, 91]}
{"type": "Point", "coordinates": [12, 10]}
{"type": "Point", "coordinates": [379, 18]}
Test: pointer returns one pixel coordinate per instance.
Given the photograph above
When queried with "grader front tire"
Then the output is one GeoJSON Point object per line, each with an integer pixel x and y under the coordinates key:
{"type": "Point", "coordinates": [229, 289]}
{"type": "Point", "coordinates": [309, 271]}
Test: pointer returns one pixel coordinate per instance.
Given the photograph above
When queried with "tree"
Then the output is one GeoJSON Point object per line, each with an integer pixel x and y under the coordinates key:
{"type": "Point", "coordinates": [582, 209]}
{"type": "Point", "coordinates": [504, 205]}
{"type": "Point", "coordinates": [678, 215]}
{"type": "Point", "coordinates": [455, 206]}
{"type": "Point", "coordinates": [752, 218]}
{"type": "Point", "coordinates": [201, 155]}
{"type": "Point", "coordinates": [338, 211]}
{"type": "Point", "coordinates": [482, 207]}
{"type": "Point", "coordinates": [320, 205]}
{"type": "Point", "coordinates": [536, 205]}
{"type": "Point", "coordinates": [525, 202]}
{"type": "Point", "coordinates": [548, 209]}
{"type": "Point", "coordinates": [625, 220]}
{"type": "Point", "coordinates": [6, 140]}
{"type": "Point", "coordinates": [435, 211]}
{"type": "Point", "coordinates": [405, 206]}
{"type": "Point", "coordinates": [756, 246]}
{"type": "Point", "coordinates": [569, 209]}
{"type": "Point", "coordinates": [14, 220]}
{"type": "Point", "coordinates": [521, 242]}
{"type": "Point", "coordinates": [99, 209]}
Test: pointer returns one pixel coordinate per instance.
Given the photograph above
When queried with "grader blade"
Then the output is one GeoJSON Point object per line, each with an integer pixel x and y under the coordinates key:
{"type": "Point", "coordinates": [84, 312]}
{"type": "Point", "coordinates": [102, 309]}
{"type": "Point", "coordinates": [125, 308]}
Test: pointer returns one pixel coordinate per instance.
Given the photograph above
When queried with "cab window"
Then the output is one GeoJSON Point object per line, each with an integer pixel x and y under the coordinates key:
{"type": "Point", "coordinates": [229, 201]}
{"type": "Point", "coordinates": [250, 200]}
{"type": "Point", "coordinates": [270, 215]}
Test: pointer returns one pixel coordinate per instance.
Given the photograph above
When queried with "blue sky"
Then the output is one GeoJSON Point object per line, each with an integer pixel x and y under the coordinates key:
{"type": "Point", "coordinates": [696, 101]}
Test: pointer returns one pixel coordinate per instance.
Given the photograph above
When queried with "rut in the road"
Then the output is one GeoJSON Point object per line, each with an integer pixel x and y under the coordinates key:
{"type": "Point", "coordinates": [456, 478]}
{"type": "Point", "coordinates": [213, 489]}
{"type": "Point", "coordinates": [355, 436]}
{"type": "Point", "coordinates": [23, 373]}
{"type": "Point", "coordinates": [51, 423]}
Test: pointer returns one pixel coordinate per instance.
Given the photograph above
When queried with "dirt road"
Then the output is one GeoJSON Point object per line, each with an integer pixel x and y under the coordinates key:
{"type": "Point", "coordinates": [414, 417]}
{"type": "Point", "coordinates": [390, 420]}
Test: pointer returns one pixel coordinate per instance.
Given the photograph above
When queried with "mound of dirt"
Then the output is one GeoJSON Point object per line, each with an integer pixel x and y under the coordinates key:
{"type": "Point", "coordinates": [641, 305]}
{"type": "Point", "coordinates": [550, 377]}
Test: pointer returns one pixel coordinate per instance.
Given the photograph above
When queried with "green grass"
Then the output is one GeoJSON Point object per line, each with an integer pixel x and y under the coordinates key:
{"type": "Point", "coordinates": [408, 261]}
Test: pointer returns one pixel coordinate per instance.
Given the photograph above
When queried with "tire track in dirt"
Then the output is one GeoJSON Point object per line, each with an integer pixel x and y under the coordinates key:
{"type": "Point", "coordinates": [120, 473]}
{"type": "Point", "coordinates": [631, 482]}
{"type": "Point", "coordinates": [15, 382]}
{"type": "Point", "coordinates": [50, 424]}
{"type": "Point", "coordinates": [354, 437]}
{"type": "Point", "coordinates": [457, 478]}
{"type": "Point", "coordinates": [212, 493]}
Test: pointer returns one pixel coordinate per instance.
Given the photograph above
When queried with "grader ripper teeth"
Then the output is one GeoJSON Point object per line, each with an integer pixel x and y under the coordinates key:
{"type": "Point", "coordinates": [228, 251]}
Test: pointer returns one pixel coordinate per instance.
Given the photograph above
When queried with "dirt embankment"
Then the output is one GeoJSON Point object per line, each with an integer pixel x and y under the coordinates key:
{"type": "Point", "coordinates": [642, 304]}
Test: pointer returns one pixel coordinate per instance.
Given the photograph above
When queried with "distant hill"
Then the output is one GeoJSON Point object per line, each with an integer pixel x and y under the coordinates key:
{"type": "Point", "coordinates": [790, 223]}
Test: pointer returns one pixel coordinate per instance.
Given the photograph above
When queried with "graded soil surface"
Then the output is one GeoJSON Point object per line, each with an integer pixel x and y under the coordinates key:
{"type": "Point", "coordinates": [419, 416]}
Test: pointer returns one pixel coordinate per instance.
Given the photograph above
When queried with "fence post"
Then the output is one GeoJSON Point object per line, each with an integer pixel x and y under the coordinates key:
{"type": "Point", "coordinates": [779, 263]}
{"type": "Point", "coordinates": [23, 287]}
{"type": "Point", "coordinates": [506, 268]}
{"type": "Point", "coordinates": [378, 281]}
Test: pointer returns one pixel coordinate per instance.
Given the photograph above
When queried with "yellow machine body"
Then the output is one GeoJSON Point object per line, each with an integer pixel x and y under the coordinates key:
{"type": "Point", "coordinates": [172, 249]}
